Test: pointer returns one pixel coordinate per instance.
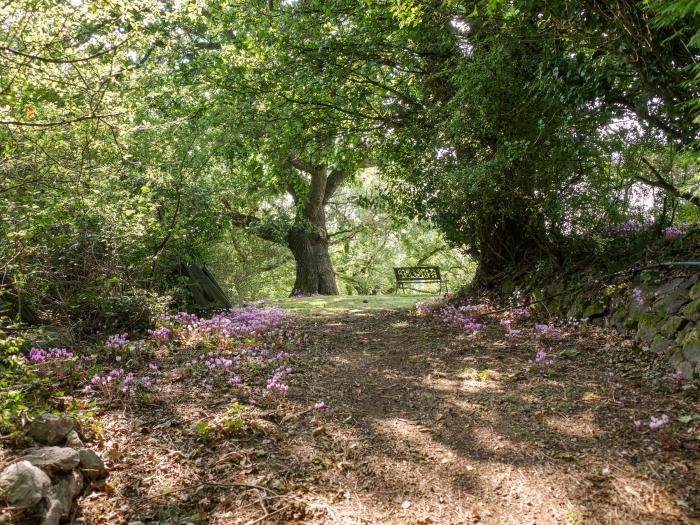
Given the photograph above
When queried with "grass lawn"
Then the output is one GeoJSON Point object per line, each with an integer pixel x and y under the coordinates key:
{"type": "Point", "coordinates": [351, 302]}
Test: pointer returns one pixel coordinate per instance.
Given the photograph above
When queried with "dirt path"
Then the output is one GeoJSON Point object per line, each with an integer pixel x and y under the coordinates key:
{"type": "Point", "coordinates": [421, 425]}
{"type": "Point", "coordinates": [445, 429]}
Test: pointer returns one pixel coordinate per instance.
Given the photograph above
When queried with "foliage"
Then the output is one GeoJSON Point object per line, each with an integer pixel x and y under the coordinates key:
{"type": "Point", "coordinates": [136, 135]}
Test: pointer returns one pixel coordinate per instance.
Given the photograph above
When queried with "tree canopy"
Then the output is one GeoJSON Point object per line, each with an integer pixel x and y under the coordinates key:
{"type": "Point", "coordinates": [135, 134]}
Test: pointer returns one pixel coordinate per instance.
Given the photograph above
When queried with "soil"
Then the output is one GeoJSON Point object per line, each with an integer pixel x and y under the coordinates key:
{"type": "Point", "coordinates": [422, 424]}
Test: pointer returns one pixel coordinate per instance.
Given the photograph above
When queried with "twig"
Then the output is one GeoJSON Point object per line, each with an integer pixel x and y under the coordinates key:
{"type": "Point", "coordinates": [240, 485]}
{"type": "Point", "coordinates": [268, 515]}
{"type": "Point", "coordinates": [295, 415]}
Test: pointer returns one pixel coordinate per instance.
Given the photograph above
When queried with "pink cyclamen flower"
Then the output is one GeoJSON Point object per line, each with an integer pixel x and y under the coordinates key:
{"type": "Point", "coordinates": [659, 422]}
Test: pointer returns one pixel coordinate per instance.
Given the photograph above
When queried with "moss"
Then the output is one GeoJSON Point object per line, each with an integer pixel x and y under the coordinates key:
{"type": "Point", "coordinates": [684, 333]}
{"type": "Point", "coordinates": [594, 310]}
{"type": "Point", "coordinates": [692, 310]}
{"type": "Point", "coordinates": [695, 291]}
{"type": "Point", "coordinates": [629, 324]}
{"type": "Point", "coordinates": [691, 346]}
{"type": "Point", "coordinates": [673, 325]}
{"type": "Point", "coordinates": [649, 325]}
{"type": "Point", "coordinates": [660, 344]}
{"type": "Point", "coordinates": [576, 310]}
{"type": "Point", "coordinates": [648, 276]}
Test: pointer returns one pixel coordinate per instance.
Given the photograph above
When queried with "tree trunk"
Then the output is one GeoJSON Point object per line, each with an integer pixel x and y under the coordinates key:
{"type": "Point", "coordinates": [314, 270]}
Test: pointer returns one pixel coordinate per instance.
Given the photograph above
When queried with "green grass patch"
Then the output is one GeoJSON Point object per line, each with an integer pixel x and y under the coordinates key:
{"type": "Point", "coordinates": [351, 302]}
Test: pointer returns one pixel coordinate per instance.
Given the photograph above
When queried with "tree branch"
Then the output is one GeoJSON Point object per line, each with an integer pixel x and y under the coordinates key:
{"type": "Point", "coordinates": [61, 60]}
{"type": "Point", "coordinates": [666, 185]}
{"type": "Point", "coordinates": [301, 165]}
{"type": "Point", "coordinates": [335, 179]}
{"type": "Point", "coordinates": [251, 224]}
{"type": "Point", "coordinates": [58, 123]}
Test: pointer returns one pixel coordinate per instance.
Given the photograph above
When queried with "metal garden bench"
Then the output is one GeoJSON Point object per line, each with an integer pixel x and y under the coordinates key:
{"type": "Point", "coordinates": [418, 274]}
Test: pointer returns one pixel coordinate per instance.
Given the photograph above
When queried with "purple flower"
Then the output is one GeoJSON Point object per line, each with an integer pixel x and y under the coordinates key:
{"type": "Point", "coordinates": [638, 295]}
{"type": "Point", "coordinates": [655, 422]}
{"type": "Point", "coordinates": [672, 232]}
{"type": "Point", "coordinates": [547, 330]}
{"type": "Point", "coordinates": [675, 376]}
{"type": "Point", "coordinates": [117, 340]}
{"type": "Point", "coordinates": [161, 335]}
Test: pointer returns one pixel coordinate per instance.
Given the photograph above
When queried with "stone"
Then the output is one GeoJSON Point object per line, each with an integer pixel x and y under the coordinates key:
{"type": "Point", "coordinates": [594, 310]}
{"type": "Point", "coordinates": [660, 344]}
{"type": "Point", "coordinates": [50, 429]}
{"type": "Point", "coordinates": [684, 334]}
{"type": "Point", "coordinates": [671, 303]}
{"type": "Point", "coordinates": [73, 440]}
{"type": "Point", "coordinates": [66, 489]}
{"type": "Point", "coordinates": [53, 459]}
{"type": "Point", "coordinates": [676, 357]}
{"type": "Point", "coordinates": [575, 310]}
{"type": "Point", "coordinates": [53, 513]}
{"type": "Point", "coordinates": [648, 276]}
{"type": "Point", "coordinates": [691, 311]}
{"type": "Point", "coordinates": [687, 369]}
{"type": "Point", "coordinates": [670, 286]}
{"type": "Point", "coordinates": [673, 325]}
{"type": "Point", "coordinates": [649, 326]}
{"type": "Point", "coordinates": [23, 485]}
{"type": "Point", "coordinates": [636, 310]}
{"type": "Point", "coordinates": [695, 292]}
{"type": "Point", "coordinates": [630, 324]}
{"type": "Point", "coordinates": [91, 464]}
{"type": "Point", "coordinates": [691, 350]}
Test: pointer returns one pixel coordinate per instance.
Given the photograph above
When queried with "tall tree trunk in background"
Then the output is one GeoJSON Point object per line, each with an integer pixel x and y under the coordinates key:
{"type": "Point", "coordinates": [308, 239]}
{"type": "Point", "coordinates": [314, 270]}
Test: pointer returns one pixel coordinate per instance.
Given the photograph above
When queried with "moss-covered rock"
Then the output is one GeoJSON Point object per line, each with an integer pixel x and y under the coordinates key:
{"type": "Point", "coordinates": [636, 310]}
{"type": "Point", "coordinates": [649, 325]}
{"type": "Point", "coordinates": [676, 357]}
{"type": "Point", "coordinates": [618, 318]}
{"type": "Point", "coordinates": [670, 303]}
{"type": "Point", "coordinates": [671, 286]}
{"type": "Point", "coordinates": [630, 324]}
{"type": "Point", "coordinates": [648, 276]}
{"type": "Point", "coordinates": [595, 309]}
{"type": "Point", "coordinates": [695, 291]}
{"type": "Point", "coordinates": [576, 310]}
{"type": "Point", "coordinates": [691, 346]}
{"type": "Point", "coordinates": [691, 311]}
{"type": "Point", "coordinates": [684, 333]}
{"type": "Point", "coordinates": [672, 325]}
{"type": "Point", "coordinates": [687, 369]}
{"type": "Point", "coordinates": [557, 304]}
{"type": "Point", "coordinates": [660, 344]}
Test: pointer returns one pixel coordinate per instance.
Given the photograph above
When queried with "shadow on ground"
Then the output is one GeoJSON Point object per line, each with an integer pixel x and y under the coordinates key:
{"type": "Point", "coordinates": [422, 425]}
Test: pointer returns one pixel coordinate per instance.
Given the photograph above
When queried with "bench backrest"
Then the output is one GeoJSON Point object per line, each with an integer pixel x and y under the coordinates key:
{"type": "Point", "coordinates": [417, 273]}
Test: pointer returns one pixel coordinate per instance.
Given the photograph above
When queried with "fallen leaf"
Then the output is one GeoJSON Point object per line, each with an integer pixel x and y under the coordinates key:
{"type": "Point", "coordinates": [475, 514]}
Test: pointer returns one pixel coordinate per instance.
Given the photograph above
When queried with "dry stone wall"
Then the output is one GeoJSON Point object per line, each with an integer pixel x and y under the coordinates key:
{"type": "Point", "coordinates": [661, 311]}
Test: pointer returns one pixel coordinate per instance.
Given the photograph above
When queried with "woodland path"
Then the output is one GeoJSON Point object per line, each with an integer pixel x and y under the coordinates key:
{"type": "Point", "coordinates": [423, 425]}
